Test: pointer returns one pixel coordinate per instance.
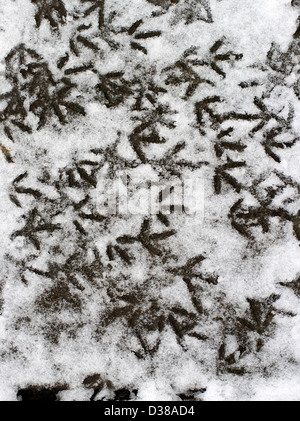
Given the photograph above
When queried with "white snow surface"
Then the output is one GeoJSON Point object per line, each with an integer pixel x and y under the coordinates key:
{"type": "Point", "coordinates": [250, 318]}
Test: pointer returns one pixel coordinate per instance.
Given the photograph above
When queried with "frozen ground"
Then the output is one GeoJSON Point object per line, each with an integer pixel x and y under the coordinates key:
{"type": "Point", "coordinates": [162, 307]}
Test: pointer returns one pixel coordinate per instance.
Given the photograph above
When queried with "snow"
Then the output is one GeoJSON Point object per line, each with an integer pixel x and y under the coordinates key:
{"type": "Point", "coordinates": [160, 307]}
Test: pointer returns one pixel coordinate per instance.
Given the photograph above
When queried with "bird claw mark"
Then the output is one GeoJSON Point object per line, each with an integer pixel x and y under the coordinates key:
{"type": "Point", "coordinates": [113, 89]}
{"type": "Point", "coordinates": [147, 239]}
{"type": "Point", "coordinates": [243, 218]}
{"type": "Point", "coordinates": [294, 286]}
{"type": "Point", "coordinates": [222, 175]}
{"type": "Point", "coordinates": [191, 11]}
{"type": "Point", "coordinates": [52, 10]}
{"type": "Point", "coordinates": [136, 37]}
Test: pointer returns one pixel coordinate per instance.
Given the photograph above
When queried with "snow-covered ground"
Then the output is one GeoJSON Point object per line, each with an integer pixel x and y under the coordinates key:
{"type": "Point", "coordinates": [167, 306]}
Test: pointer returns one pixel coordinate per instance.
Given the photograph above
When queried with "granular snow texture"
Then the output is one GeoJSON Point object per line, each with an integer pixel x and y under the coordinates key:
{"type": "Point", "coordinates": [98, 306]}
